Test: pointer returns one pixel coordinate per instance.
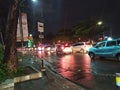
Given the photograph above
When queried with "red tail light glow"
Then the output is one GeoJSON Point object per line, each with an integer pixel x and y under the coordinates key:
{"type": "Point", "coordinates": [62, 47]}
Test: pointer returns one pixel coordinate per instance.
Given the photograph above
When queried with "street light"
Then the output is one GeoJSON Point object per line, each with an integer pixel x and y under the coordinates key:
{"type": "Point", "coordinates": [99, 23]}
{"type": "Point", "coordinates": [34, 0]}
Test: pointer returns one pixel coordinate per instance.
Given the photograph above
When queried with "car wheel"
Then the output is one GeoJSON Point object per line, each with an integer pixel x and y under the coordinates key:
{"type": "Point", "coordinates": [92, 55]}
{"type": "Point", "coordinates": [118, 57]}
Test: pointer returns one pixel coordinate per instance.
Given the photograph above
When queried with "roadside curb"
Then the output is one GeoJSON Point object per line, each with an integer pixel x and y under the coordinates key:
{"type": "Point", "coordinates": [7, 85]}
{"type": "Point", "coordinates": [27, 77]}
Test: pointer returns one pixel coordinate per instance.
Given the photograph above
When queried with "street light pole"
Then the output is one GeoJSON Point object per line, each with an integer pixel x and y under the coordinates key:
{"type": "Point", "coordinates": [41, 37]}
{"type": "Point", "coordinates": [41, 30]}
{"type": "Point", "coordinates": [111, 32]}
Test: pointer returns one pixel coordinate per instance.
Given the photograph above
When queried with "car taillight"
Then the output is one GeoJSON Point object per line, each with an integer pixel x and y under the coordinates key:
{"type": "Point", "coordinates": [42, 48]}
{"type": "Point", "coordinates": [62, 47]}
{"type": "Point", "coordinates": [66, 44]}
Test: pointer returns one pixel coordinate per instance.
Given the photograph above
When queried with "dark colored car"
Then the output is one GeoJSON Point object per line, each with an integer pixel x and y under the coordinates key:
{"type": "Point", "coordinates": [59, 49]}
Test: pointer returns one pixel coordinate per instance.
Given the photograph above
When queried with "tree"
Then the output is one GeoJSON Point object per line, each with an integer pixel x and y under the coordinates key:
{"type": "Point", "coordinates": [88, 29]}
{"type": "Point", "coordinates": [10, 54]}
{"type": "Point", "coordinates": [65, 35]}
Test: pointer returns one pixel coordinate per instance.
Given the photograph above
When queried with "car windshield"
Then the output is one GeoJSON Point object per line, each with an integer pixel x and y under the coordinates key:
{"type": "Point", "coordinates": [101, 44]}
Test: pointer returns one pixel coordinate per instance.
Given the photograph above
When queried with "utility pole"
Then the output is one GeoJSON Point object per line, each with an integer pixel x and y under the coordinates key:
{"type": "Point", "coordinates": [111, 32]}
{"type": "Point", "coordinates": [41, 30]}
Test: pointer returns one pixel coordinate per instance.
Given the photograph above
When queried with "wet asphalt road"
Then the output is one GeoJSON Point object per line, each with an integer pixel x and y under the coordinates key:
{"type": "Point", "coordinates": [94, 75]}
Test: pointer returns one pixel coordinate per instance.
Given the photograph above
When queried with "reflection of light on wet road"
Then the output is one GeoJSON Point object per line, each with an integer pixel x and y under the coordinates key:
{"type": "Point", "coordinates": [78, 69]}
{"type": "Point", "coordinates": [75, 66]}
{"type": "Point", "coordinates": [67, 63]}
{"type": "Point", "coordinates": [41, 54]}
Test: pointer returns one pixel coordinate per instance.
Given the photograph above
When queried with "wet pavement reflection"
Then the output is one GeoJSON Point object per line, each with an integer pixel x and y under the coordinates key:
{"type": "Point", "coordinates": [78, 68]}
{"type": "Point", "coordinates": [72, 66]}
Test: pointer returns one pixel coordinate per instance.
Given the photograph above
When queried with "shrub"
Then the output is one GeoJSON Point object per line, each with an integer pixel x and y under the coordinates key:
{"type": "Point", "coordinates": [5, 73]}
{"type": "Point", "coordinates": [3, 68]}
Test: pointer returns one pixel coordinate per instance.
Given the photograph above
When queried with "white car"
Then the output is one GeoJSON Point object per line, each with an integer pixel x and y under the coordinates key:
{"type": "Point", "coordinates": [47, 48]}
{"type": "Point", "coordinates": [81, 47]}
{"type": "Point", "coordinates": [67, 49]}
{"type": "Point", "coordinates": [53, 48]}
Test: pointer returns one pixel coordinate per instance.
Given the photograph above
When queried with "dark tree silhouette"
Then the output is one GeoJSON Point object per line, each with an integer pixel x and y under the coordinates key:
{"type": "Point", "coordinates": [10, 54]}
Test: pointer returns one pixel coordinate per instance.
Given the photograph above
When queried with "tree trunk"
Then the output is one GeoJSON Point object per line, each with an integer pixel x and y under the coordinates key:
{"type": "Point", "coordinates": [10, 54]}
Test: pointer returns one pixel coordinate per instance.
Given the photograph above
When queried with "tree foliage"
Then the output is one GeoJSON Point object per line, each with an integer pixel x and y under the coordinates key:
{"type": "Point", "coordinates": [88, 29]}
{"type": "Point", "coordinates": [65, 35]}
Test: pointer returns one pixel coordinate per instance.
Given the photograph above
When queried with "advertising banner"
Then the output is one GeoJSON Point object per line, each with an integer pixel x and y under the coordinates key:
{"type": "Point", "coordinates": [24, 28]}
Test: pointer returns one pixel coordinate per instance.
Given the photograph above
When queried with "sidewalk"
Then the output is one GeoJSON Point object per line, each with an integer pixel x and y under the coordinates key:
{"type": "Point", "coordinates": [49, 81]}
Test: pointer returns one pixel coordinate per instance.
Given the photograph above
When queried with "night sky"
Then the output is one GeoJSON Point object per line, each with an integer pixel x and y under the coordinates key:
{"type": "Point", "coordinates": [58, 14]}
{"type": "Point", "coordinates": [67, 13]}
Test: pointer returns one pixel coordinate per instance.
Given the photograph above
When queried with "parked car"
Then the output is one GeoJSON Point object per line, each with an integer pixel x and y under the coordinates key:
{"type": "Point", "coordinates": [107, 49]}
{"type": "Point", "coordinates": [81, 47]}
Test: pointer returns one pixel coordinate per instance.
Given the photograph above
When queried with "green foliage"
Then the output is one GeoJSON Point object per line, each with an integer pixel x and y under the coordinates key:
{"type": "Point", "coordinates": [19, 72]}
{"type": "Point", "coordinates": [65, 35]}
{"type": "Point", "coordinates": [5, 73]}
{"type": "Point", "coordinates": [3, 69]}
{"type": "Point", "coordinates": [88, 29]}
